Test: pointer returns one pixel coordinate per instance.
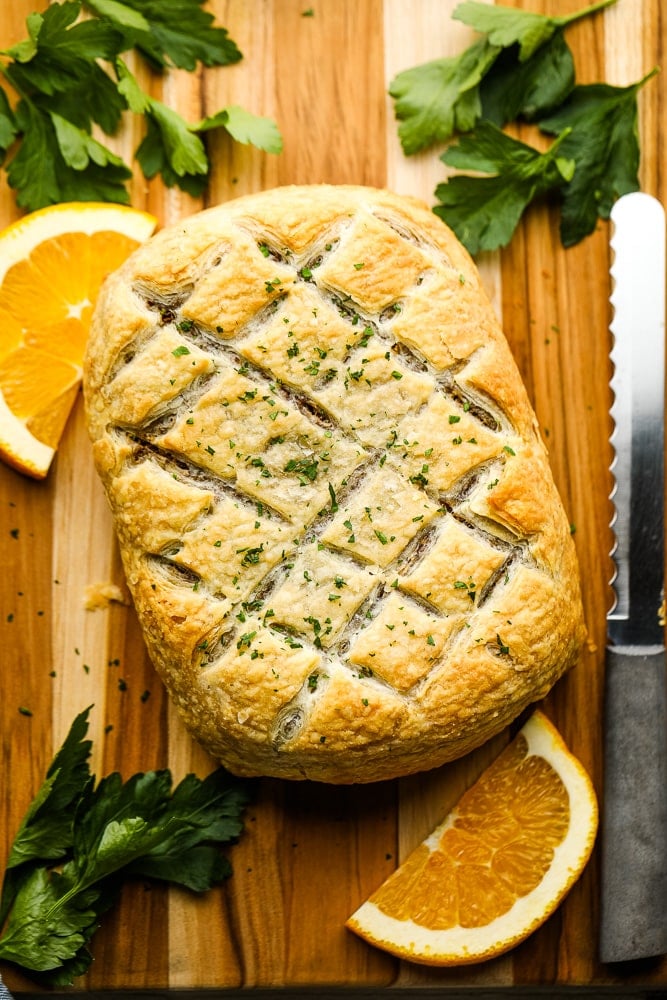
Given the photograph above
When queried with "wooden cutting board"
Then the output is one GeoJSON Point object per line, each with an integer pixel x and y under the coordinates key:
{"type": "Point", "coordinates": [310, 854]}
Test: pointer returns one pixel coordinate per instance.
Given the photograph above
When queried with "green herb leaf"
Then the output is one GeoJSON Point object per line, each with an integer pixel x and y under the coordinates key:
{"type": "Point", "coordinates": [47, 926]}
{"type": "Point", "coordinates": [99, 835]}
{"type": "Point", "coordinates": [169, 146]}
{"type": "Point", "coordinates": [45, 832]}
{"type": "Point", "coordinates": [8, 127]}
{"type": "Point", "coordinates": [137, 100]}
{"type": "Point", "coordinates": [59, 52]}
{"type": "Point", "coordinates": [78, 149]}
{"type": "Point", "coordinates": [178, 33]}
{"type": "Point", "coordinates": [435, 100]}
{"type": "Point", "coordinates": [43, 176]}
{"type": "Point", "coordinates": [184, 151]}
{"type": "Point", "coordinates": [506, 26]}
{"type": "Point", "coordinates": [514, 89]}
{"type": "Point", "coordinates": [95, 100]}
{"type": "Point", "coordinates": [305, 468]}
{"type": "Point", "coordinates": [31, 169]}
{"type": "Point", "coordinates": [198, 814]}
{"type": "Point", "coordinates": [121, 15]}
{"type": "Point", "coordinates": [60, 74]}
{"type": "Point", "coordinates": [603, 142]}
{"type": "Point", "coordinates": [245, 128]}
{"type": "Point", "coordinates": [438, 98]}
{"type": "Point", "coordinates": [484, 211]}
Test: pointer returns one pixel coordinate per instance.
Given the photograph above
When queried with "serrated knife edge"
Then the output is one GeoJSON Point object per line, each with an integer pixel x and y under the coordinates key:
{"type": "Point", "coordinates": [633, 871]}
{"type": "Point", "coordinates": [638, 287]}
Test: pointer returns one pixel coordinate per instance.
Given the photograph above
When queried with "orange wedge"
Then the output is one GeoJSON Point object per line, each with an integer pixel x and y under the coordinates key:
{"type": "Point", "coordinates": [52, 263]}
{"type": "Point", "coordinates": [497, 866]}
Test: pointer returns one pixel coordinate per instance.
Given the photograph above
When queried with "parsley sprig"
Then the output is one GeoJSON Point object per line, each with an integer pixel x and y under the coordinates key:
{"type": "Point", "coordinates": [70, 77]}
{"type": "Point", "coordinates": [602, 128]}
{"type": "Point", "coordinates": [79, 840]}
{"type": "Point", "coordinates": [485, 210]}
{"type": "Point", "coordinates": [520, 68]}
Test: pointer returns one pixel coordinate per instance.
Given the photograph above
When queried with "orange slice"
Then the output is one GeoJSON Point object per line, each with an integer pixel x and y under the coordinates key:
{"type": "Point", "coordinates": [52, 263]}
{"type": "Point", "coordinates": [497, 866]}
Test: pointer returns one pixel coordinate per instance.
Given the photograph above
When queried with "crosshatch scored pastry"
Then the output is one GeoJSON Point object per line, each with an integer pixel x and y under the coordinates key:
{"type": "Point", "coordinates": [335, 512]}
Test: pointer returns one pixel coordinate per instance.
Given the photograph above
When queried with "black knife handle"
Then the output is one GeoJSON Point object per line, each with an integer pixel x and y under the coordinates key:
{"type": "Point", "coordinates": [634, 813]}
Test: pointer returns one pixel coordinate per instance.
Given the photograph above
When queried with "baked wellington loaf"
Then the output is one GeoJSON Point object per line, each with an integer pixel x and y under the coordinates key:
{"type": "Point", "coordinates": [335, 512]}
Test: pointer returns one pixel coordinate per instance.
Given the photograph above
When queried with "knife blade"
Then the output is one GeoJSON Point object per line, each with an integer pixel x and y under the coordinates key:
{"type": "Point", "coordinates": [634, 814]}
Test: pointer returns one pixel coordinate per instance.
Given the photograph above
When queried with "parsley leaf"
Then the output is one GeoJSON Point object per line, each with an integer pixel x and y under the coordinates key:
{"type": "Point", "coordinates": [178, 33]}
{"type": "Point", "coordinates": [434, 100]}
{"type": "Point", "coordinates": [47, 926]}
{"type": "Point", "coordinates": [31, 169]}
{"type": "Point", "coordinates": [484, 211]}
{"type": "Point", "coordinates": [514, 89]}
{"type": "Point", "coordinates": [59, 52]}
{"type": "Point", "coordinates": [521, 68]}
{"type": "Point", "coordinates": [78, 841]}
{"type": "Point", "coordinates": [603, 141]}
{"type": "Point", "coordinates": [78, 148]}
{"type": "Point", "coordinates": [46, 829]}
{"type": "Point", "coordinates": [45, 832]}
{"type": "Point", "coordinates": [63, 73]}
{"type": "Point", "coordinates": [43, 172]}
{"type": "Point", "coordinates": [183, 150]}
{"type": "Point", "coordinates": [8, 127]}
{"type": "Point", "coordinates": [169, 146]}
{"type": "Point", "coordinates": [211, 805]}
{"type": "Point", "coordinates": [94, 100]}
{"type": "Point", "coordinates": [245, 128]}
{"type": "Point", "coordinates": [506, 26]}
{"type": "Point", "coordinates": [173, 148]}
{"type": "Point", "coordinates": [153, 158]}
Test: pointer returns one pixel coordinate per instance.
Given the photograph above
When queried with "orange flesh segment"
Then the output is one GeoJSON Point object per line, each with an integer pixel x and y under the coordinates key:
{"type": "Point", "coordinates": [46, 303]}
{"type": "Point", "coordinates": [487, 858]}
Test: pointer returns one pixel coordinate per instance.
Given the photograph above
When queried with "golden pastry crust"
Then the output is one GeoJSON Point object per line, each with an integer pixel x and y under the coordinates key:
{"type": "Point", "coordinates": [335, 512]}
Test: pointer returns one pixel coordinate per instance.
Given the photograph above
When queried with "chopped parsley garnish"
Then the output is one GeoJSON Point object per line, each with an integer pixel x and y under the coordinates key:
{"type": "Point", "coordinates": [245, 641]}
{"type": "Point", "coordinates": [420, 478]}
{"type": "Point", "coordinates": [503, 648]}
{"type": "Point", "coordinates": [332, 497]}
{"type": "Point", "coordinates": [251, 556]}
{"type": "Point", "coordinates": [305, 468]}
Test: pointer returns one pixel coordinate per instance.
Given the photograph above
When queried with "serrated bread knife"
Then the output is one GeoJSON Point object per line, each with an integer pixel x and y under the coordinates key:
{"type": "Point", "coordinates": [634, 814]}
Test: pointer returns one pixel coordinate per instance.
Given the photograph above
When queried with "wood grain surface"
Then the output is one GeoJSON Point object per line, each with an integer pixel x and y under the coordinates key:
{"type": "Point", "coordinates": [311, 854]}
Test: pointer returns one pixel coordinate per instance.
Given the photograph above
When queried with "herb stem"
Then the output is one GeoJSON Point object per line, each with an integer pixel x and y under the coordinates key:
{"type": "Point", "coordinates": [566, 19]}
